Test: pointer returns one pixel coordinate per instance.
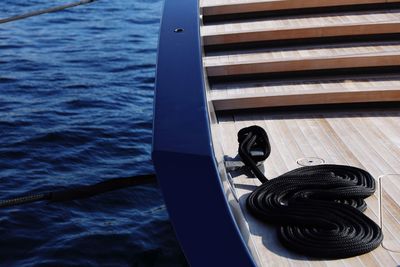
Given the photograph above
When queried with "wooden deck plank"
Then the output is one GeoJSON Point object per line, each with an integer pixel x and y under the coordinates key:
{"type": "Point", "coordinates": [326, 135]}
{"type": "Point", "coordinates": [283, 100]}
{"type": "Point", "coordinates": [347, 62]}
{"type": "Point", "coordinates": [381, 54]}
{"type": "Point", "coordinates": [221, 91]}
{"type": "Point", "coordinates": [312, 26]}
{"type": "Point", "coordinates": [223, 7]}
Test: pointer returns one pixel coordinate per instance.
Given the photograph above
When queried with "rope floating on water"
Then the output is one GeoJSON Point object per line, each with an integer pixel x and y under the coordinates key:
{"type": "Point", "coordinates": [81, 192]}
{"type": "Point", "coordinates": [45, 11]}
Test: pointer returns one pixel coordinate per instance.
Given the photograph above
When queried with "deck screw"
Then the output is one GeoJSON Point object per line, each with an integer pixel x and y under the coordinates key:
{"type": "Point", "coordinates": [178, 30]}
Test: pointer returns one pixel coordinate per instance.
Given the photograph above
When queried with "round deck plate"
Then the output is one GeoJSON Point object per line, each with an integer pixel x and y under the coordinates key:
{"type": "Point", "coordinates": [310, 161]}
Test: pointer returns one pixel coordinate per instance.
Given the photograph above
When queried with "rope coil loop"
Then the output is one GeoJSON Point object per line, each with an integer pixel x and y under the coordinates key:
{"type": "Point", "coordinates": [254, 147]}
{"type": "Point", "coordinates": [319, 208]}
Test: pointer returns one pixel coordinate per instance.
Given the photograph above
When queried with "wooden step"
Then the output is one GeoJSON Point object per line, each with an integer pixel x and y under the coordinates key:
{"type": "Point", "coordinates": [225, 7]}
{"type": "Point", "coordinates": [308, 58]}
{"type": "Point", "coordinates": [231, 96]}
{"type": "Point", "coordinates": [316, 26]}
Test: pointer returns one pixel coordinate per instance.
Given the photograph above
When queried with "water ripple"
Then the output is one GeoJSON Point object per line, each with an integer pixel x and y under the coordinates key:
{"type": "Point", "coordinates": [76, 93]}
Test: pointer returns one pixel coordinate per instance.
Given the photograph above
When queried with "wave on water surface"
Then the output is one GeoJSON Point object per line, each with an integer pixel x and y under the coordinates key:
{"type": "Point", "coordinates": [76, 96]}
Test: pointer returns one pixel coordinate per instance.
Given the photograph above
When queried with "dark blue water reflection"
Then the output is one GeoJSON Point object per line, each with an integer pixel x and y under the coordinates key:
{"type": "Point", "coordinates": [76, 94]}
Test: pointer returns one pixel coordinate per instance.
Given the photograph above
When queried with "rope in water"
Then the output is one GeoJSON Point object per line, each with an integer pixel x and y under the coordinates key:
{"type": "Point", "coordinates": [44, 11]}
{"type": "Point", "coordinates": [81, 192]}
{"type": "Point", "coordinates": [319, 208]}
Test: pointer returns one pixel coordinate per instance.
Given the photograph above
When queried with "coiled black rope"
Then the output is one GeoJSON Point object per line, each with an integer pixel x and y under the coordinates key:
{"type": "Point", "coordinates": [319, 208]}
{"type": "Point", "coordinates": [81, 192]}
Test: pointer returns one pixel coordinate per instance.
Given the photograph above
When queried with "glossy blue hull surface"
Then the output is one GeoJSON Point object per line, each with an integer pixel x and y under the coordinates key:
{"type": "Point", "coordinates": [182, 151]}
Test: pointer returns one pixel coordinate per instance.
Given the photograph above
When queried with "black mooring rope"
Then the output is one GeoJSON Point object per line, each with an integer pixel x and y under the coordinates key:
{"type": "Point", "coordinates": [80, 192]}
{"type": "Point", "coordinates": [45, 11]}
{"type": "Point", "coordinates": [319, 208]}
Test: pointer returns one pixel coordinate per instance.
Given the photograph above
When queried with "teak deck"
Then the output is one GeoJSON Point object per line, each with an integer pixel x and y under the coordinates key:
{"type": "Point", "coordinates": [313, 60]}
{"type": "Point", "coordinates": [365, 139]}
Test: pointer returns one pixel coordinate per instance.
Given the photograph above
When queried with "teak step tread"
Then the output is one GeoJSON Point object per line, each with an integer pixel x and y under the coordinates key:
{"type": "Point", "coordinates": [224, 7]}
{"type": "Point", "coordinates": [304, 59]}
{"type": "Point", "coordinates": [261, 94]}
{"type": "Point", "coordinates": [311, 98]}
{"type": "Point", "coordinates": [235, 90]}
{"type": "Point", "coordinates": [333, 25]}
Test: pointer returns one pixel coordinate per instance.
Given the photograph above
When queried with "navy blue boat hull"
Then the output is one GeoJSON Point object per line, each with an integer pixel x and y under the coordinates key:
{"type": "Point", "coordinates": [182, 149]}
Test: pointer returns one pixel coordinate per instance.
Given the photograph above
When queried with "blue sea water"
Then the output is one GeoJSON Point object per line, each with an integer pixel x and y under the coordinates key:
{"type": "Point", "coordinates": [76, 100]}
